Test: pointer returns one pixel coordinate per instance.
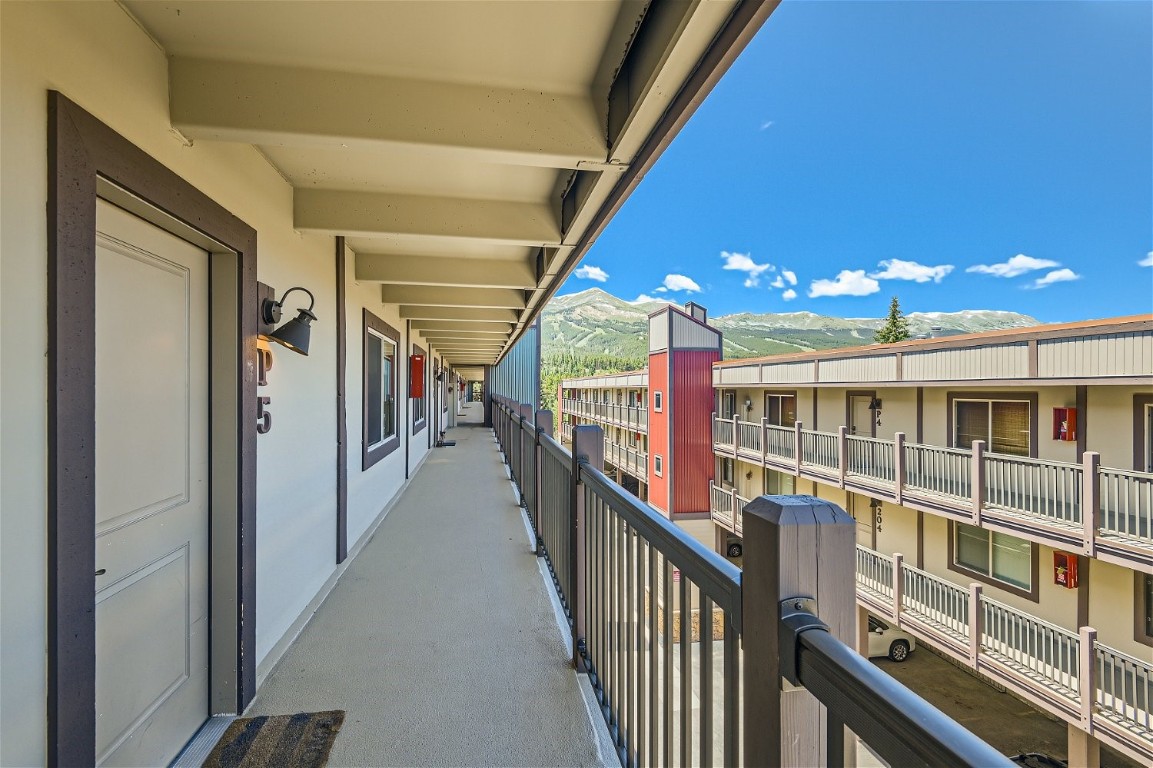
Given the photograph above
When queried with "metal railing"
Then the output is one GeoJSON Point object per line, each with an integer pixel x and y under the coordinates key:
{"type": "Point", "coordinates": [1046, 490]}
{"type": "Point", "coordinates": [1100, 509]}
{"type": "Point", "coordinates": [1018, 649]}
{"type": "Point", "coordinates": [658, 624]}
{"type": "Point", "coordinates": [1037, 648]}
{"type": "Point", "coordinates": [870, 458]}
{"type": "Point", "coordinates": [940, 472]}
{"type": "Point", "coordinates": [1127, 504]}
{"type": "Point", "coordinates": [819, 450]}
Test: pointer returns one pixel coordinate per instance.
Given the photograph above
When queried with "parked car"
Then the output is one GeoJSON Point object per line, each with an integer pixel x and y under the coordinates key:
{"type": "Point", "coordinates": [889, 641]}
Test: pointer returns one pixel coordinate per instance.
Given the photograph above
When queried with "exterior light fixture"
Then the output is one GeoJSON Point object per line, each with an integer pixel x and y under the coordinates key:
{"type": "Point", "coordinates": [748, 404]}
{"type": "Point", "coordinates": [875, 407]}
{"type": "Point", "coordinates": [296, 332]}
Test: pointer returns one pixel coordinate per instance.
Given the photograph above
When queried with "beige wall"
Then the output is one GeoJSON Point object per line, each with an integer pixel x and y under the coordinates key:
{"type": "Point", "coordinates": [1109, 428]}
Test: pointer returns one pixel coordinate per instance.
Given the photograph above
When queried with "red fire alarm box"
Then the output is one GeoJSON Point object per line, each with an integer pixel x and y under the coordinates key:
{"type": "Point", "coordinates": [416, 376]}
{"type": "Point", "coordinates": [1065, 424]}
{"type": "Point", "coordinates": [1065, 570]}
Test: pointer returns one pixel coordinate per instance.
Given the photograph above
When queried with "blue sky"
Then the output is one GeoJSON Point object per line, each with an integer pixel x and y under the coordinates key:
{"type": "Point", "coordinates": [958, 155]}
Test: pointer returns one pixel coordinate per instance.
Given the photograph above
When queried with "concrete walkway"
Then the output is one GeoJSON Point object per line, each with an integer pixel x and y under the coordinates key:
{"type": "Point", "coordinates": [440, 641]}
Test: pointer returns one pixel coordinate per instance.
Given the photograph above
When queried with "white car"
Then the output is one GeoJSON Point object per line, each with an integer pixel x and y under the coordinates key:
{"type": "Point", "coordinates": [887, 641]}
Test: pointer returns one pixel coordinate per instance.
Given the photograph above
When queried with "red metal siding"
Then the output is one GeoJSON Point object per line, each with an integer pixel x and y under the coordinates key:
{"type": "Point", "coordinates": [692, 403]}
{"type": "Point", "coordinates": [659, 430]}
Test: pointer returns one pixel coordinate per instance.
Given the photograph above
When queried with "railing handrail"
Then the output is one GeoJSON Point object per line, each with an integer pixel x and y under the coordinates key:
{"type": "Point", "coordinates": [867, 439]}
{"type": "Point", "coordinates": [713, 574]}
{"type": "Point", "coordinates": [1008, 458]}
{"type": "Point", "coordinates": [548, 443]}
{"type": "Point", "coordinates": [1111, 651]}
{"type": "Point", "coordinates": [900, 725]}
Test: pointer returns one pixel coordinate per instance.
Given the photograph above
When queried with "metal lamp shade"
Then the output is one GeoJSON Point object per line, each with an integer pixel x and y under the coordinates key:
{"type": "Point", "coordinates": [296, 332]}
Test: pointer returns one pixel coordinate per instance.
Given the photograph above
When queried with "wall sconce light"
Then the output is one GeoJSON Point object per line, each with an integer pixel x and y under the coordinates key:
{"type": "Point", "coordinates": [748, 404]}
{"type": "Point", "coordinates": [296, 332]}
{"type": "Point", "coordinates": [875, 407]}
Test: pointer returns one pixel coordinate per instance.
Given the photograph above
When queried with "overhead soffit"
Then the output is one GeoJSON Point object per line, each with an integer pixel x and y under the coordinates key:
{"type": "Point", "coordinates": [438, 131]}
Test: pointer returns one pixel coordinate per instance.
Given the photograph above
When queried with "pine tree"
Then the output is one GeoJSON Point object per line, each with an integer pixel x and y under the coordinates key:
{"type": "Point", "coordinates": [896, 327]}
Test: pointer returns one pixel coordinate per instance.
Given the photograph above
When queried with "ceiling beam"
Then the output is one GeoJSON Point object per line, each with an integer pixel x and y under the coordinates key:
{"type": "Point", "coordinates": [475, 314]}
{"type": "Point", "coordinates": [294, 106]}
{"type": "Point", "coordinates": [368, 214]}
{"type": "Point", "coordinates": [494, 298]}
{"type": "Point", "coordinates": [423, 270]}
{"type": "Point", "coordinates": [462, 325]}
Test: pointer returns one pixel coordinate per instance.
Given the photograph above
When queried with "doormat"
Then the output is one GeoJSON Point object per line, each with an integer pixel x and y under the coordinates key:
{"type": "Point", "coordinates": [287, 741]}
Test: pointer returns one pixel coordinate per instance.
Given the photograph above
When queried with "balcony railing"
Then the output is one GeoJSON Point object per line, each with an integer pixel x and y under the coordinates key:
{"type": "Point", "coordinates": [658, 623]}
{"type": "Point", "coordinates": [1093, 510]}
{"type": "Point", "coordinates": [632, 417]}
{"type": "Point", "coordinates": [1044, 662]}
{"type": "Point", "coordinates": [628, 459]}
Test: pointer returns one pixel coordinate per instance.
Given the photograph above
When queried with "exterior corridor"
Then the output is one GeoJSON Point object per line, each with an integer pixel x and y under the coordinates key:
{"type": "Point", "coordinates": [440, 640]}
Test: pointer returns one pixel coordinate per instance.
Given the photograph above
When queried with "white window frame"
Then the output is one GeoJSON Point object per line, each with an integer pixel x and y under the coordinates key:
{"type": "Point", "coordinates": [658, 401]}
{"type": "Point", "coordinates": [658, 465]}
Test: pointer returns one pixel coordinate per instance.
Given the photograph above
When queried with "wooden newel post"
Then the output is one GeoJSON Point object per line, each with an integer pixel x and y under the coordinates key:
{"type": "Point", "coordinates": [588, 448]}
{"type": "Point", "coordinates": [795, 547]}
{"type": "Point", "coordinates": [544, 426]}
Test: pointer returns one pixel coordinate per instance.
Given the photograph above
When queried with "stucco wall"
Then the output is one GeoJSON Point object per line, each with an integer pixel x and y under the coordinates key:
{"type": "Point", "coordinates": [97, 56]}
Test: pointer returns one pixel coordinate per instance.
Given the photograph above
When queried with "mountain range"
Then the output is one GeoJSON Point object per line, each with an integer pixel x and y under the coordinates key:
{"type": "Point", "coordinates": [594, 322]}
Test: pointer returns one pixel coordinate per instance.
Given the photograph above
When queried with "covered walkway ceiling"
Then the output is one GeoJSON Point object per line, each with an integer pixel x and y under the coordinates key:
{"type": "Point", "coordinates": [469, 151]}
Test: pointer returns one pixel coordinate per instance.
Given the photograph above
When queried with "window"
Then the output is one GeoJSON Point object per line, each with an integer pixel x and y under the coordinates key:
{"type": "Point", "coordinates": [1144, 619]}
{"type": "Point", "coordinates": [658, 401]}
{"type": "Point", "coordinates": [1004, 425]}
{"type": "Point", "coordinates": [379, 403]}
{"type": "Point", "coordinates": [728, 405]}
{"type": "Point", "coordinates": [997, 558]}
{"type": "Point", "coordinates": [781, 409]}
{"type": "Point", "coordinates": [419, 404]}
{"type": "Point", "coordinates": [727, 472]}
{"type": "Point", "coordinates": [1143, 433]}
{"type": "Point", "coordinates": [658, 465]}
{"type": "Point", "coordinates": [779, 483]}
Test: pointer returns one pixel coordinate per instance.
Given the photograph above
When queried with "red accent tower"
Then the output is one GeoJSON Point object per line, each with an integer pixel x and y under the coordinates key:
{"type": "Point", "coordinates": [682, 350]}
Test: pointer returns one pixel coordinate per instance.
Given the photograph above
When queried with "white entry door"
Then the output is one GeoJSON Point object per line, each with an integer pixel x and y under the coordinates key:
{"type": "Point", "coordinates": [151, 490]}
{"type": "Point", "coordinates": [863, 421]}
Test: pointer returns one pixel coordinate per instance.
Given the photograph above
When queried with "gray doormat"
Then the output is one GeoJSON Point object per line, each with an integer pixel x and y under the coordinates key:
{"type": "Point", "coordinates": [287, 741]}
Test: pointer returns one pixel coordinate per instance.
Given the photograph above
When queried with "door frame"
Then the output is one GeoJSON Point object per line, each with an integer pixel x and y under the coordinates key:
{"type": "Point", "coordinates": [87, 160]}
{"type": "Point", "coordinates": [862, 393]}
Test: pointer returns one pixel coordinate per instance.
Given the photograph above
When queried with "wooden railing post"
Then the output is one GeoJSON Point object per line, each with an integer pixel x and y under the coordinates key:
{"type": "Point", "coordinates": [899, 467]}
{"type": "Point", "coordinates": [1087, 675]}
{"type": "Point", "coordinates": [736, 437]}
{"type": "Point", "coordinates": [977, 480]}
{"type": "Point", "coordinates": [898, 585]}
{"type": "Point", "coordinates": [976, 623]}
{"type": "Point", "coordinates": [797, 445]}
{"type": "Point", "coordinates": [842, 453]}
{"type": "Point", "coordinates": [588, 446]}
{"type": "Point", "coordinates": [544, 426]}
{"type": "Point", "coordinates": [796, 547]}
{"type": "Point", "coordinates": [1090, 501]}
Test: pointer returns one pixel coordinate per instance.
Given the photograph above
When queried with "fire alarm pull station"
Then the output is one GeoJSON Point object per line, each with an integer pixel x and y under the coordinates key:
{"type": "Point", "coordinates": [1065, 570]}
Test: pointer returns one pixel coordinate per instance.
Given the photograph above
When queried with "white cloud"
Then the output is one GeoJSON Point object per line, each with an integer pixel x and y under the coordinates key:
{"type": "Point", "coordinates": [592, 273]}
{"type": "Point", "coordinates": [1056, 276]}
{"type": "Point", "coordinates": [1147, 261]}
{"type": "Point", "coordinates": [644, 298]}
{"type": "Point", "coordinates": [661, 289]}
{"type": "Point", "coordinates": [766, 125]}
{"type": "Point", "coordinates": [681, 283]}
{"type": "Point", "coordinates": [789, 295]}
{"type": "Point", "coordinates": [741, 262]}
{"type": "Point", "coordinates": [896, 269]}
{"type": "Point", "coordinates": [778, 283]}
{"type": "Point", "coordinates": [847, 283]}
{"type": "Point", "coordinates": [790, 276]}
{"type": "Point", "coordinates": [1018, 265]}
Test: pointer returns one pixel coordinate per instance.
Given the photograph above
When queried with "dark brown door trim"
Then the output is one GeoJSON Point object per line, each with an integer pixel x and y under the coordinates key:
{"type": "Point", "coordinates": [81, 152]}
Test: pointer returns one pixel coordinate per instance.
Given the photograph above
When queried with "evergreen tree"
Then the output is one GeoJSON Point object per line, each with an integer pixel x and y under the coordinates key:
{"type": "Point", "coordinates": [896, 327]}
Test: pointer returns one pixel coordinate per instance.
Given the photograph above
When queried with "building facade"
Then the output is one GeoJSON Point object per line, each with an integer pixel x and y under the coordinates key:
{"type": "Point", "coordinates": [1002, 485]}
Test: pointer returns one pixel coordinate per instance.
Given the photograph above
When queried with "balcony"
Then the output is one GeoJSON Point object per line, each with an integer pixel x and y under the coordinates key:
{"type": "Point", "coordinates": [675, 641]}
{"type": "Point", "coordinates": [1070, 675]}
{"type": "Point", "coordinates": [626, 458]}
{"type": "Point", "coordinates": [1097, 511]}
{"type": "Point", "coordinates": [630, 417]}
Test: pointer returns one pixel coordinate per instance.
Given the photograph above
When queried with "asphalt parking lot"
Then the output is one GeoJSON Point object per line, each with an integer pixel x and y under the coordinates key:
{"type": "Point", "coordinates": [1001, 719]}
